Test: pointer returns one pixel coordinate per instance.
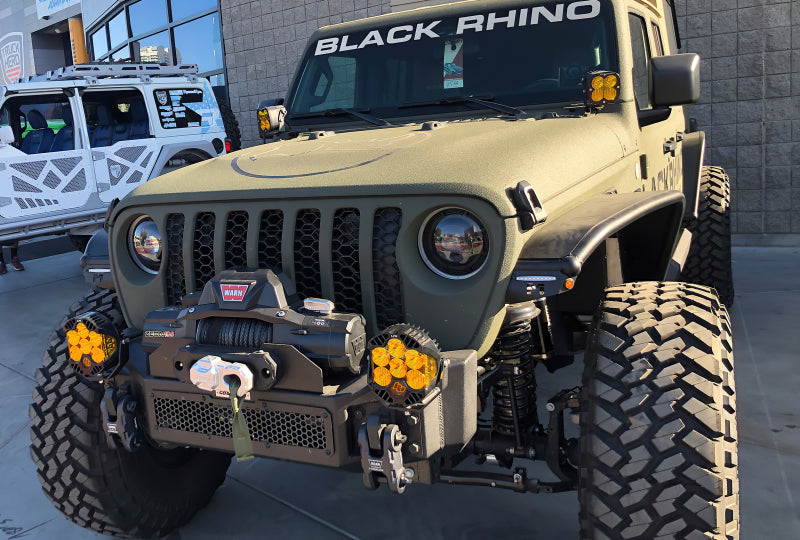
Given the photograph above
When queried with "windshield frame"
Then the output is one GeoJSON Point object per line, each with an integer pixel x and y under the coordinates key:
{"type": "Point", "coordinates": [401, 111]}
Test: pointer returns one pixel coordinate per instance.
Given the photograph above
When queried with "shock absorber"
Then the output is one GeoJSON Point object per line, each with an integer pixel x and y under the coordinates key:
{"type": "Point", "coordinates": [514, 408]}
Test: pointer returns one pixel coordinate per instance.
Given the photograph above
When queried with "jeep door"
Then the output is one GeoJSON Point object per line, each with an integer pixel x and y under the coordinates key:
{"type": "Point", "coordinates": [659, 140]}
{"type": "Point", "coordinates": [49, 177]}
{"type": "Point", "coordinates": [120, 137]}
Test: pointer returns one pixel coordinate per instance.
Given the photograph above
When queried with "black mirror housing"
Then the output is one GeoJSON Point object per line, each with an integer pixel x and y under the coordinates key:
{"type": "Point", "coordinates": [676, 79]}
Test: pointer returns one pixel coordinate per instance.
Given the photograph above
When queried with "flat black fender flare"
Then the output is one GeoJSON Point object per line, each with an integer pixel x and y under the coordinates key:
{"type": "Point", "coordinates": [692, 151]}
{"type": "Point", "coordinates": [96, 262]}
{"type": "Point", "coordinates": [605, 241]}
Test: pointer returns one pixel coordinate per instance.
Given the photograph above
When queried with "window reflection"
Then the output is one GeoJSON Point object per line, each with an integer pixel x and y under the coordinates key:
{"type": "Point", "coordinates": [118, 29]}
{"type": "Point", "coordinates": [184, 8]}
{"type": "Point", "coordinates": [154, 49]}
{"type": "Point", "coordinates": [121, 55]}
{"type": "Point", "coordinates": [99, 43]}
{"type": "Point", "coordinates": [201, 42]}
{"type": "Point", "coordinates": [146, 15]}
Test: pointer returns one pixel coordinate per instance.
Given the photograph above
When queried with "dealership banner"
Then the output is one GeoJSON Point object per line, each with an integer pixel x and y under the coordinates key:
{"type": "Point", "coordinates": [45, 8]}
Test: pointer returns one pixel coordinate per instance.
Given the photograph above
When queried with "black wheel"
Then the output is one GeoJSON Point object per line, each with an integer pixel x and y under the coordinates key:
{"type": "Point", "coordinates": [709, 260]}
{"type": "Point", "coordinates": [145, 494]}
{"type": "Point", "coordinates": [658, 451]}
{"type": "Point", "coordinates": [79, 241]}
{"type": "Point", "coordinates": [231, 127]}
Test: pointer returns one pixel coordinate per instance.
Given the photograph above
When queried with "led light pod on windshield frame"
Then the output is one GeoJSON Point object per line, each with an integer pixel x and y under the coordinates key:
{"type": "Point", "coordinates": [600, 88]}
{"type": "Point", "coordinates": [92, 343]}
{"type": "Point", "coordinates": [405, 364]}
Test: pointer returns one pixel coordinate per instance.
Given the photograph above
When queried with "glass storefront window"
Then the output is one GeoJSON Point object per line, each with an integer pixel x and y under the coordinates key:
{"type": "Point", "coordinates": [184, 8]}
{"type": "Point", "coordinates": [200, 42]}
{"type": "Point", "coordinates": [99, 43]}
{"type": "Point", "coordinates": [121, 55]}
{"type": "Point", "coordinates": [154, 49]}
{"type": "Point", "coordinates": [118, 29]}
{"type": "Point", "coordinates": [219, 88]}
{"type": "Point", "coordinates": [146, 15]}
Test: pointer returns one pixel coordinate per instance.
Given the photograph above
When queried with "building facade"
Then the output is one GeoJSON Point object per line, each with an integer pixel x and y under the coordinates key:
{"type": "Point", "coordinates": [750, 105]}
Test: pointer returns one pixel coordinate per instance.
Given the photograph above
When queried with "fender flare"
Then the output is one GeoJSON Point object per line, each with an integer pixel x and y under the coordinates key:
{"type": "Point", "coordinates": [622, 237]}
{"type": "Point", "coordinates": [692, 152]}
{"type": "Point", "coordinates": [96, 262]}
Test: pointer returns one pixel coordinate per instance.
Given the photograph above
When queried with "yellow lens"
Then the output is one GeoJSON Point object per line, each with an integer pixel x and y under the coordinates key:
{"type": "Point", "coordinates": [396, 348]}
{"type": "Point", "coordinates": [597, 82]}
{"type": "Point", "coordinates": [98, 356]}
{"type": "Point", "coordinates": [73, 337]}
{"type": "Point", "coordinates": [415, 379]}
{"type": "Point", "coordinates": [397, 368]}
{"type": "Point", "coordinates": [75, 353]}
{"type": "Point", "coordinates": [85, 347]}
{"type": "Point", "coordinates": [263, 120]}
{"type": "Point", "coordinates": [610, 81]}
{"type": "Point", "coordinates": [82, 330]}
{"type": "Point", "coordinates": [381, 376]}
{"type": "Point", "coordinates": [430, 369]}
{"type": "Point", "coordinates": [380, 356]}
{"type": "Point", "coordinates": [413, 359]}
{"type": "Point", "coordinates": [610, 94]}
{"type": "Point", "coordinates": [95, 339]}
{"type": "Point", "coordinates": [597, 95]}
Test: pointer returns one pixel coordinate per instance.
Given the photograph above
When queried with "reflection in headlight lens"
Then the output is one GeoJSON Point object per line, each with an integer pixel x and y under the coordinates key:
{"type": "Point", "coordinates": [453, 243]}
{"type": "Point", "coordinates": [144, 243]}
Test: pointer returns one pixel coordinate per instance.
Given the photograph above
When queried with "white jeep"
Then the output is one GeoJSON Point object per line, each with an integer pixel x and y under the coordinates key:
{"type": "Point", "coordinates": [74, 139]}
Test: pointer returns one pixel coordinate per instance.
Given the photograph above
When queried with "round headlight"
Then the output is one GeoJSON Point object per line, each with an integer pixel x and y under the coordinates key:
{"type": "Point", "coordinates": [144, 244]}
{"type": "Point", "coordinates": [453, 243]}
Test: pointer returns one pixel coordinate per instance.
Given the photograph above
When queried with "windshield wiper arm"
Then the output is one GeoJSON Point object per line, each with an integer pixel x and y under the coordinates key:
{"type": "Point", "coordinates": [336, 111]}
{"type": "Point", "coordinates": [482, 101]}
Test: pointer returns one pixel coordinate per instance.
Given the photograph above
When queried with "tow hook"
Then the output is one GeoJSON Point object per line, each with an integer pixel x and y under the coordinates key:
{"type": "Point", "coordinates": [381, 455]}
{"type": "Point", "coordinates": [118, 409]}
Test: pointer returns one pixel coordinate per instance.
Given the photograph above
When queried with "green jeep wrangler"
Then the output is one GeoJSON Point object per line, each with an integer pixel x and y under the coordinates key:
{"type": "Point", "coordinates": [452, 198]}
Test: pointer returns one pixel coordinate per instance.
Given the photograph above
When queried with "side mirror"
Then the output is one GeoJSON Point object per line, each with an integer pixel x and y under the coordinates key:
{"type": "Point", "coordinates": [676, 79]}
{"type": "Point", "coordinates": [270, 115]}
{"type": "Point", "coordinates": [6, 134]}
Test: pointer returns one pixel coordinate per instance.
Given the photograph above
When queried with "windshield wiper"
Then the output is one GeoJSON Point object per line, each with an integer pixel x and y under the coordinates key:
{"type": "Point", "coordinates": [458, 100]}
{"type": "Point", "coordinates": [337, 111]}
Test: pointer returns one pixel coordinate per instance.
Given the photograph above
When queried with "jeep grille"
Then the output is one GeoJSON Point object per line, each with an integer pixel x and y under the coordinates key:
{"type": "Point", "coordinates": [311, 249]}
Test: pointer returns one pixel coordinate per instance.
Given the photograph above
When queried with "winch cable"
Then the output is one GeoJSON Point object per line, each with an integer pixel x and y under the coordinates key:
{"type": "Point", "coordinates": [242, 445]}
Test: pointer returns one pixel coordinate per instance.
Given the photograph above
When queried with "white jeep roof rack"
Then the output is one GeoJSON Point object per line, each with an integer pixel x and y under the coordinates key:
{"type": "Point", "coordinates": [106, 70]}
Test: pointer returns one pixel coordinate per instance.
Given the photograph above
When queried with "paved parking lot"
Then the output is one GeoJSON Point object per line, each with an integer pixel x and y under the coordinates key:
{"type": "Point", "coordinates": [282, 500]}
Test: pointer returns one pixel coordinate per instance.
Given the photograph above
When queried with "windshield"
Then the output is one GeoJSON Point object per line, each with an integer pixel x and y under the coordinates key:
{"type": "Point", "coordinates": [521, 56]}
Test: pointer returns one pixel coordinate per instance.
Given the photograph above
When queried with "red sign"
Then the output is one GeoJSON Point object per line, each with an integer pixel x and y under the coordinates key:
{"type": "Point", "coordinates": [233, 293]}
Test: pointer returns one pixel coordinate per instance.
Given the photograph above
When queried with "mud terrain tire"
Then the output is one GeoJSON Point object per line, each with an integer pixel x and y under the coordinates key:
{"type": "Point", "coordinates": [709, 260]}
{"type": "Point", "coordinates": [145, 494]}
{"type": "Point", "coordinates": [658, 425]}
{"type": "Point", "coordinates": [231, 127]}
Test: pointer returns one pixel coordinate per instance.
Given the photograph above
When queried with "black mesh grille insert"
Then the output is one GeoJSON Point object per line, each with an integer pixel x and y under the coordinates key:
{"type": "Point", "coordinates": [345, 261]}
{"type": "Point", "coordinates": [269, 240]}
{"type": "Point", "coordinates": [236, 240]}
{"type": "Point", "coordinates": [203, 249]}
{"type": "Point", "coordinates": [266, 425]}
{"type": "Point", "coordinates": [306, 253]}
{"type": "Point", "coordinates": [173, 271]}
{"type": "Point", "coordinates": [389, 308]}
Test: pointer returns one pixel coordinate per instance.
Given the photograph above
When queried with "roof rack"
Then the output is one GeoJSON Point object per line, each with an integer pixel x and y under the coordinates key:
{"type": "Point", "coordinates": [105, 70]}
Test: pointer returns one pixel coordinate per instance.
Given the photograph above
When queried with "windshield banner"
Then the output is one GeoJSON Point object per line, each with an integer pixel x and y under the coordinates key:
{"type": "Point", "coordinates": [552, 13]}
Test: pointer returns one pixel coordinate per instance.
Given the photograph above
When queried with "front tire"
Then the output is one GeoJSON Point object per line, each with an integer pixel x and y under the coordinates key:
{"type": "Point", "coordinates": [658, 421]}
{"type": "Point", "coordinates": [144, 494]}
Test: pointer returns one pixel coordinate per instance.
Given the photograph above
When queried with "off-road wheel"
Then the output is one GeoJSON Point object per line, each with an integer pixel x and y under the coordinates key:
{"type": "Point", "coordinates": [709, 260]}
{"type": "Point", "coordinates": [658, 456]}
{"type": "Point", "coordinates": [231, 127]}
{"type": "Point", "coordinates": [144, 494]}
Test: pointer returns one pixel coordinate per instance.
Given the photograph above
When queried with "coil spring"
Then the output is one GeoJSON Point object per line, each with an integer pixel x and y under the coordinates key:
{"type": "Point", "coordinates": [512, 348]}
{"type": "Point", "coordinates": [230, 332]}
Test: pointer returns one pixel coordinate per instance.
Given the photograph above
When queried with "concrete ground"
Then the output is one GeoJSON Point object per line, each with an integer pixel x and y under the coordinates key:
{"type": "Point", "coordinates": [282, 500]}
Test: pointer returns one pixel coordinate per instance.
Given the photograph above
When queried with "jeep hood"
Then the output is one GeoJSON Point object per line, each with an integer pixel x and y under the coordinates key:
{"type": "Point", "coordinates": [478, 158]}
